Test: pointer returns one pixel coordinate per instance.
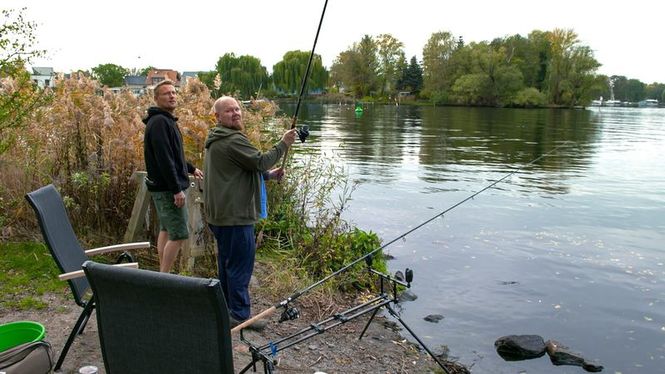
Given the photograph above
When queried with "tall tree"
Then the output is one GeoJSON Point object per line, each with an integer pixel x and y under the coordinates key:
{"type": "Point", "coordinates": [569, 64]}
{"type": "Point", "coordinates": [369, 65]}
{"type": "Point", "coordinates": [437, 58]}
{"type": "Point", "coordinates": [391, 62]}
{"type": "Point", "coordinates": [356, 69]}
{"type": "Point", "coordinates": [18, 95]}
{"type": "Point", "coordinates": [243, 75]}
{"type": "Point", "coordinates": [287, 74]}
{"type": "Point", "coordinates": [110, 75]}
{"type": "Point", "coordinates": [412, 77]}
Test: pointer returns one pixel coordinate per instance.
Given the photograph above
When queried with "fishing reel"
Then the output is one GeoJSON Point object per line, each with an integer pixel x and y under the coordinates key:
{"type": "Point", "coordinates": [289, 314]}
{"type": "Point", "coordinates": [303, 133]}
{"type": "Point", "coordinates": [407, 276]}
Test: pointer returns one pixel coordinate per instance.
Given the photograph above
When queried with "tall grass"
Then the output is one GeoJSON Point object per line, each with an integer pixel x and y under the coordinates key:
{"type": "Point", "coordinates": [88, 141]}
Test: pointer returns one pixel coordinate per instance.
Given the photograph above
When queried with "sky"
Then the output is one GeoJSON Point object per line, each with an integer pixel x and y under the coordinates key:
{"type": "Point", "coordinates": [192, 35]}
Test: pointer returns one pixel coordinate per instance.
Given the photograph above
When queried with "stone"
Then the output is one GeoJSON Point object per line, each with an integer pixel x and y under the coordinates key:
{"type": "Point", "coordinates": [434, 318]}
{"type": "Point", "coordinates": [562, 355]}
{"type": "Point", "coordinates": [407, 296]}
{"type": "Point", "coordinates": [592, 367]}
{"type": "Point", "coordinates": [520, 347]}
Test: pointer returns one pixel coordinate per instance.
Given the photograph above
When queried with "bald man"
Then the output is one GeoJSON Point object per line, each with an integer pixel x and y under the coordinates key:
{"type": "Point", "coordinates": [234, 171]}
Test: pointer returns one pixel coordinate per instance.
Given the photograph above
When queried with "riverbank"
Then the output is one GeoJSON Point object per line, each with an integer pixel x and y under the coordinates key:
{"type": "Point", "coordinates": [338, 350]}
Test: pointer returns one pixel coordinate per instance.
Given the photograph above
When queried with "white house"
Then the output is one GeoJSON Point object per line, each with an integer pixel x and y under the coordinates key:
{"type": "Point", "coordinates": [43, 77]}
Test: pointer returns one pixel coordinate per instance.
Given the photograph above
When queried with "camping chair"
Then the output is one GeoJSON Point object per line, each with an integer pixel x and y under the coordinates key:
{"type": "Point", "coordinates": [68, 254]}
{"type": "Point", "coordinates": [151, 322]}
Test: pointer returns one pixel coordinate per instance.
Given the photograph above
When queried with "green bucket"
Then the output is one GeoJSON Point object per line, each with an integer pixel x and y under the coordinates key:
{"type": "Point", "coordinates": [16, 333]}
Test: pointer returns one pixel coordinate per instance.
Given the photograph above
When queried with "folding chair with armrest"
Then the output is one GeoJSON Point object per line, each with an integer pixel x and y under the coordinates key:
{"type": "Point", "coordinates": [68, 254]}
{"type": "Point", "coordinates": [151, 322]}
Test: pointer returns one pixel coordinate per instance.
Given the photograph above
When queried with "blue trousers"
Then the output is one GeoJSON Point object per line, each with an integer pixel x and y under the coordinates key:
{"type": "Point", "coordinates": [235, 261]}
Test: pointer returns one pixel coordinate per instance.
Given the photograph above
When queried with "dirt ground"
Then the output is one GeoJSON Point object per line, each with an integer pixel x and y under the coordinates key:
{"type": "Point", "coordinates": [338, 350]}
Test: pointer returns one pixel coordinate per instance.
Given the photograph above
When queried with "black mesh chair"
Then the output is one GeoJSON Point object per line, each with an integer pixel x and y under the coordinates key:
{"type": "Point", "coordinates": [151, 322]}
{"type": "Point", "coordinates": [68, 254]}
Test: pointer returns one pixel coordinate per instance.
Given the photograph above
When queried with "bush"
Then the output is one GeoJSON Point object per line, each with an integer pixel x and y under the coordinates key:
{"type": "Point", "coordinates": [529, 98]}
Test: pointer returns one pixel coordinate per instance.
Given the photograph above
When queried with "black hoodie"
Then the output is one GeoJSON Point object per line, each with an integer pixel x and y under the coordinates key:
{"type": "Point", "coordinates": [164, 154]}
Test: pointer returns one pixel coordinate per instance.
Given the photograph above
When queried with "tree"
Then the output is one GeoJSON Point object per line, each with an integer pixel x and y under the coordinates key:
{"type": "Point", "coordinates": [472, 89]}
{"type": "Point", "coordinates": [369, 66]}
{"type": "Point", "coordinates": [287, 74]}
{"type": "Point", "coordinates": [391, 62]}
{"type": "Point", "coordinates": [569, 68]}
{"type": "Point", "coordinates": [243, 75]}
{"type": "Point", "coordinates": [655, 91]}
{"type": "Point", "coordinates": [140, 72]}
{"type": "Point", "coordinates": [18, 95]}
{"type": "Point", "coordinates": [411, 78]}
{"type": "Point", "coordinates": [437, 56]}
{"type": "Point", "coordinates": [110, 75]}
{"type": "Point", "coordinates": [529, 55]}
{"type": "Point", "coordinates": [356, 69]}
{"type": "Point", "coordinates": [628, 89]}
{"type": "Point", "coordinates": [491, 80]}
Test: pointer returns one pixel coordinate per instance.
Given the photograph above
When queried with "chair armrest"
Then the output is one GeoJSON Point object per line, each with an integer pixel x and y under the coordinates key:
{"type": "Point", "coordinates": [80, 273]}
{"type": "Point", "coordinates": [117, 247]}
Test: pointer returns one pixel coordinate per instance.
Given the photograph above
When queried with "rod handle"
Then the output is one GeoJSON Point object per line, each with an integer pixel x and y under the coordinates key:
{"type": "Point", "coordinates": [257, 317]}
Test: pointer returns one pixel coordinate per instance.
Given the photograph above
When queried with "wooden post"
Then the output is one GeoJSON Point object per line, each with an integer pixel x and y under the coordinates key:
{"type": "Point", "coordinates": [141, 203]}
{"type": "Point", "coordinates": [195, 246]}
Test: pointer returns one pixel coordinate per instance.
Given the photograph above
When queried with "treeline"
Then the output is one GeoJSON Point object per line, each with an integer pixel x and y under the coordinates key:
{"type": "Point", "coordinates": [546, 68]}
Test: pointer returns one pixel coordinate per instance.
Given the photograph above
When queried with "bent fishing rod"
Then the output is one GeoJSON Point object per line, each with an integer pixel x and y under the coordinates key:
{"type": "Point", "coordinates": [303, 132]}
{"type": "Point", "coordinates": [284, 303]}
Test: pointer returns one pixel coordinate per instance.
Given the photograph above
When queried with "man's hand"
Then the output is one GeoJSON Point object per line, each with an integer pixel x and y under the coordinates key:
{"type": "Point", "coordinates": [289, 137]}
{"type": "Point", "coordinates": [276, 174]}
{"type": "Point", "coordinates": [179, 199]}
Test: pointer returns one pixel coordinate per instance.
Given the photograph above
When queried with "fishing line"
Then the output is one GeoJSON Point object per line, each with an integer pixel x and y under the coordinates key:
{"type": "Point", "coordinates": [284, 303]}
{"type": "Point", "coordinates": [403, 236]}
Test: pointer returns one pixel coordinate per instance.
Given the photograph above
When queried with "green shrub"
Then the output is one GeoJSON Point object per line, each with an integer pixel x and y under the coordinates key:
{"type": "Point", "coordinates": [529, 98]}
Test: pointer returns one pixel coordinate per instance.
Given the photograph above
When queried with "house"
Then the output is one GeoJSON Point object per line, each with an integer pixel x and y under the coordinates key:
{"type": "Point", "coordinates": [157, 75]}
{"type": "Point", "coordinates": [187, 75]}
{"type": "Point", "coordinates": [135, 84]}
{"type": "Point", "coordinates": [43, 77]}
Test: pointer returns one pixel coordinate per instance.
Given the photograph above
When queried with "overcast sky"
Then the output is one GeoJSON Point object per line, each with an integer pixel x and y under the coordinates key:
{"type": "Point", "coordinates": [191, 35]}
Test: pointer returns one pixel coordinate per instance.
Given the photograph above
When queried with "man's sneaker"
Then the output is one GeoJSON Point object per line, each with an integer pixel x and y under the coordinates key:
{"type": "Point", "coordinates": [258, 325]}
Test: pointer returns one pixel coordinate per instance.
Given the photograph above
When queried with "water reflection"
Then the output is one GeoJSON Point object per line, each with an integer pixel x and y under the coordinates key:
{"type": "Point", "coordinates": [569, 248]}
{"type": "Point", "coordinates": [446, 143]}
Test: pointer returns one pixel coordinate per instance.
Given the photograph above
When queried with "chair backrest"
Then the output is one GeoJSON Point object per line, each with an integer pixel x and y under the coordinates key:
{"type": "Point", "coordinates": [151, 322]}
{"type": "Point", "coordinates": [59, 236]}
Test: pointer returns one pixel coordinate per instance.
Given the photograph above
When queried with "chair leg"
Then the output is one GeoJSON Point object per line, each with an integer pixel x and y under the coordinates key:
{"type": "Point", "coordinates": [78, 329]}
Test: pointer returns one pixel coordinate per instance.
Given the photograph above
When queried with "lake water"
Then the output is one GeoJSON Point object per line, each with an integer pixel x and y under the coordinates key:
{"type": "Point", "coordinates": [571, 247]}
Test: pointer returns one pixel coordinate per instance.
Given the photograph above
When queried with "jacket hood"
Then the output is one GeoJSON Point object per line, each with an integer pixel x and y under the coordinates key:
{"type": "Point", "coordinates": [154, 110]}
{"type": "Point", "coordinates": [219, 132]}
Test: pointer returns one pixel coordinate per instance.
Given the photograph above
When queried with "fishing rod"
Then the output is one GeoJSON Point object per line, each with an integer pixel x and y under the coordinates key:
{"type": "Point", "coordinates": [284, 303]}
{"type": "Point", "coordinates": [303, 132]}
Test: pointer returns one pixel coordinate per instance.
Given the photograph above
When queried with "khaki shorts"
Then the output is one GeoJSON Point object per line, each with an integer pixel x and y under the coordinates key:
{"type": "Point", "coordinates": [171, 218]}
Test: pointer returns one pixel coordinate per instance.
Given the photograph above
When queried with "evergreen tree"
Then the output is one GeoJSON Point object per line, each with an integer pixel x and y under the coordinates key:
{"type": "Point", "coordinates": [412, 77]}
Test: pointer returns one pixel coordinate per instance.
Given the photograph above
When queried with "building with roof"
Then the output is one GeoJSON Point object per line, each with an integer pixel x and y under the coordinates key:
{"type": "Point", "coordinates": [157, 75]}
{"type": "Point", "coordinates": [43, 76]}
{"type": "Point", "coordinates": [136, 84]}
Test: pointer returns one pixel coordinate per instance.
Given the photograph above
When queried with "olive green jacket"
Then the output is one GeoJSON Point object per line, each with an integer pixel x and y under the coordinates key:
{"type": "Point", "coordinates": [232, 167]}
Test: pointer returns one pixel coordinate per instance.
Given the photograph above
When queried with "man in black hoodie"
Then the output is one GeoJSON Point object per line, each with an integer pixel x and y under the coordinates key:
{"type": "Point", "coordinates": [168, 172]}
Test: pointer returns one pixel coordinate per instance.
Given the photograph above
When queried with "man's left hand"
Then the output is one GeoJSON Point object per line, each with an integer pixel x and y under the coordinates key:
{"type": "Point", "coordinates": [276, 174]}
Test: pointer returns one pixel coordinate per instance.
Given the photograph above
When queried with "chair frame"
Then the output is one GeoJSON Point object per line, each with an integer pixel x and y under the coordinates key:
{"type": "Point", "coordinates": [68, 254]}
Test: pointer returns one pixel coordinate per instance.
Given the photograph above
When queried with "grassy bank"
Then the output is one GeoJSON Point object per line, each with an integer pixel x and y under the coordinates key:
{"type": "Point", "coordinates": [27, 272]}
